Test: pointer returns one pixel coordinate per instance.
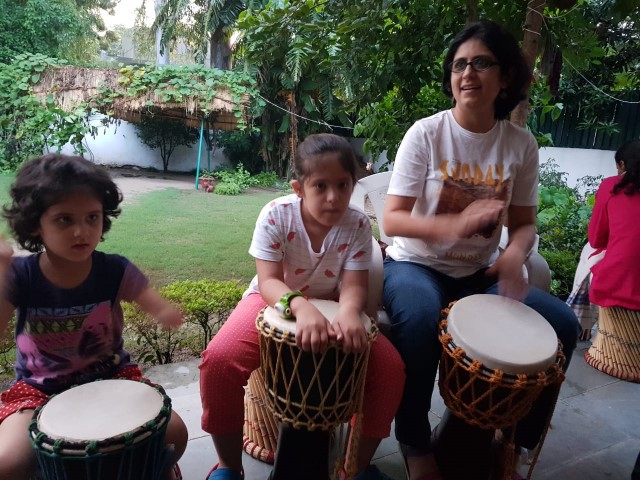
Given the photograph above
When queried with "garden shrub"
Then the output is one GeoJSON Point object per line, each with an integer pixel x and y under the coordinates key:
{"type": "Point", "coordinates": [562, 222]}
{"type": "Point", "coordinates": [153, 344]}
{"type": "Point", "coordinates": [7, 348]}
{"type": "Point", "coordinates": [228, 189]}
{"type": "Point", "coordinates": [233, 182]}
{"type": "Point", "coordinates": [562, 264]}
{"type": "Point", "coordinates": [206, 303]}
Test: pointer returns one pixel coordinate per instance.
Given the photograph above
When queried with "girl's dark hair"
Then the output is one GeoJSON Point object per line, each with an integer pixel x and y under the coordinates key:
{"type": "Point", "coordinates": [505, 48]}
{"type": "Point", "coordinates": [629, 153]}
{"type": "Point", "coordinates": [307, 158]}
{"type": "Point", "coordinates": [44, 181]}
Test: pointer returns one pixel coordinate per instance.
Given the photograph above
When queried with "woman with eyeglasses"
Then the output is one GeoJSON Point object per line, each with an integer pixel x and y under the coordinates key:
{"type": "Point", "coordinates": [458, 177]}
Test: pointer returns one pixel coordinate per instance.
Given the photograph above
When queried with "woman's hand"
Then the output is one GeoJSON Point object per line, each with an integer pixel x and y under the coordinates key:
{"type": "Point", "coordinates": [511, 281]}
{"type": "Point", "coordinates": [313, 330]}
{"type": "Point", "coordinates": [480, 217]}
{"type": "Point", "coordinates": [350, 331]}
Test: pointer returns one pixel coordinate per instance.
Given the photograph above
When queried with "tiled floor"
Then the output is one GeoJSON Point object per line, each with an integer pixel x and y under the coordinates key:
{"type": "Point", "coordinates": [595, 432]}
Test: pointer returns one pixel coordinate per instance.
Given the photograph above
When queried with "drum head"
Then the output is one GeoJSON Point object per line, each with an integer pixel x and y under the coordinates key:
{"type": "Point", "coordinates": [503, 334]}
{"type": "Point", "coordinates": [99, 410]}
{"type": "Point", "coordinates": [328, 308]}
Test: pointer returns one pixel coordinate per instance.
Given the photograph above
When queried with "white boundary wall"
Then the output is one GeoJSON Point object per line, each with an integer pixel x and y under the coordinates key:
{"type": "Point", "coordinates": [118, 145]}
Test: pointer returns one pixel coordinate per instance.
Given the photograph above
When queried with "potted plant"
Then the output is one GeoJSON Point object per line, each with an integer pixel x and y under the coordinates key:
{"type": "Point", "coordinates": [205, 180]}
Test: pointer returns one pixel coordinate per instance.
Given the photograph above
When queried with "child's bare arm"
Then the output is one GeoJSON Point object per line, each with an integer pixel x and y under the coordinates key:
{"type": "Point", "coordinates": [353, 300]}
{"type": "Point", "coordinates": [161, 310]}
{"type": "Point", "coordinates": [313, 331]}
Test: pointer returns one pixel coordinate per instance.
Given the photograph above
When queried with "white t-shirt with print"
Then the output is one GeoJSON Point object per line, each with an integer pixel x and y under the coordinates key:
{"type": "Point", "coordinates": [446, 167]}
{"type": "Point", "coordinates": [280, 236]}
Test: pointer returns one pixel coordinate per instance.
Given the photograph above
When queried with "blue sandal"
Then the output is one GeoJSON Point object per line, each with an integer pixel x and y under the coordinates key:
{"type": "Point", "coordinates": [223, 473]}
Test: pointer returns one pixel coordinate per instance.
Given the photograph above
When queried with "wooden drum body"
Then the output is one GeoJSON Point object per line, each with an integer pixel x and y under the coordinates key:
{"type": "Point", "coordinates": [107, 429]}
{"type": "Point", "coordinates": [306, 390]}
{"type": "Point", "coordinates": [498, 355]}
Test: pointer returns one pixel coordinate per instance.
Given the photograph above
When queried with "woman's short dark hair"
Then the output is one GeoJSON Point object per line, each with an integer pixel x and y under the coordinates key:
{"type": "Point", "coordinates": [307, 155]}
{"type": "Point", "coordinates": [629, 153]}
{"type": "Point", "coordinates": [505, 48]}
{"type": "Point", "coordinates": [44, 181]}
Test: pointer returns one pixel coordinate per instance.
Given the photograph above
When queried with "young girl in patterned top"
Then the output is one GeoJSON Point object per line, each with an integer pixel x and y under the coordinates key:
{"type": "Point", "coordinates": [311, 241]}
{"type": "Point", "coordinates": [62, 206]}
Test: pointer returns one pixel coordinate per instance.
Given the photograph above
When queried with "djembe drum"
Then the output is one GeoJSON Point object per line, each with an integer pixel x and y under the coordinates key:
{"type": "Point", "coordinates": [107, 429]}
{"type": "Point", "coordinates": [498, 356]}
{"type": "Point", "coordinates": [616, 348]}
{"type": "Point", "coordinates": [309, 392]}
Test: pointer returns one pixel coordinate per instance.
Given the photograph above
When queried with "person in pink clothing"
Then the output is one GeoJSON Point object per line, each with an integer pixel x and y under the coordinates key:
{"type": "Point", "coordinates": [310, 244]}
{"type": "Point", "coordinates": [614, 226]}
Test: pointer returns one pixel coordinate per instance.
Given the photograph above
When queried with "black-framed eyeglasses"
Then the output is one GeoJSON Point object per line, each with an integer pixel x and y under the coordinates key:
{"type": "Point", "coordinates": [479, 64]}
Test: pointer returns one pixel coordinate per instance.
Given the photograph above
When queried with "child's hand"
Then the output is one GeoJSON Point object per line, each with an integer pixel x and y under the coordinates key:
{"type": "Point", "coordinates": [313, 330]}
{"type": "Point", "coordinates": [170, 317]}
{"type": "Point", "coordinates": [350, 331]}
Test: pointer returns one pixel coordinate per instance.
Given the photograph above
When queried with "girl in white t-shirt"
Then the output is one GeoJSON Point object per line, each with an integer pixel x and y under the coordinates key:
{"type": "Point", "coordinates": [458, 177]}
{"type": "Point", "coordinates": [311, 243]}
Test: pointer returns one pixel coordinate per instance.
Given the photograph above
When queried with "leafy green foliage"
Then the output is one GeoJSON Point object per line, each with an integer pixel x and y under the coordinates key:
{"type": "Point", "coordinates": [206, 303]}
{"type": "Point", "coordinates": [234, 182]}
{"type": "Point", "coordinates": [189, 84]}
{"type": "Point", "coordinates": [68, 29]}
{"type": "Point", "coordinates": [242, 147]}
{"type": "Point", "coordinates": [562, 222]}
{"type": "Point", "coordinates": [165, 134]}
{"type": "Point", "coordinates": [153, 344]}
{"type": "Point", "coordinates": [7, 347]}
{"type": "Point", "coordinates": [29, 125]}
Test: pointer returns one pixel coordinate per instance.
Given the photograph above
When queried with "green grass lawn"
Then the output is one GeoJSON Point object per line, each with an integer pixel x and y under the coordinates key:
{"type": "Point", "coordinates": [183, 234]}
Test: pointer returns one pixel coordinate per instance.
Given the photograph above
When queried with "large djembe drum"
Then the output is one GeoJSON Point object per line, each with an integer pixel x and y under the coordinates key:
{"type": "Point", "coordinates": [107, 429]}
{"type": "Point", "coordinates": [310, 392]}
{"type": "Point", "coordinates": [498, 356]}
{"type": "Point", "coordinates": [616, 348]}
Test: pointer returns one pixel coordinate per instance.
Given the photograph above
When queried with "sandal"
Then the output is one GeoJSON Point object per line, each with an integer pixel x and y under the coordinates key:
{"type": "Point", "coordinates": [223, 473]}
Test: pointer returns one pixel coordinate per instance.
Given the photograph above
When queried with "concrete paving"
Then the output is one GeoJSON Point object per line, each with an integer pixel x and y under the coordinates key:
{"type": "Point", "coordinates": [594, 435]}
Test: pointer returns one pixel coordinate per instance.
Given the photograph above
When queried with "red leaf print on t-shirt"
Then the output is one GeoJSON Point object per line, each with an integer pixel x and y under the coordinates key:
{"type": "Point", "coordinates": [305, 288]}
{"type": "Point", "coordinates": [343, 247]}
{"type": "Point", "coordinates": [329, 273]}
{"type": "Point", "coordinates": [359, 254]}
{"type": "Point", "coordinates": [361, 223]}
{"type": "Point", "coordinates": [291, 236]}
{"type": "Point", "coordinates": [275, 246]}
{"type": "Point", "coordinates": [299, 271]}
{"type": "Point", "coordinates": [271, 221]}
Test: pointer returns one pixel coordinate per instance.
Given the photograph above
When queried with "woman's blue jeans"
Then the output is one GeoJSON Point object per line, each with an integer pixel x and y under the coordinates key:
{"type": "Point", "coordinates": [413, 297]}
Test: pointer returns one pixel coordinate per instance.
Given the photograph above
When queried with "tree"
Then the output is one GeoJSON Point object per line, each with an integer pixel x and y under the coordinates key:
{"type": "Point", "coordinates": [67, 29]}
{"type": "Point", "coordinates": [206, 24]}
{"type": "Point", "coordinates": [165, 134]}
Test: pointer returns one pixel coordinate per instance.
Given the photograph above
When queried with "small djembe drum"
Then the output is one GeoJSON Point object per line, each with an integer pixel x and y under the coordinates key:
{"type": "Point", "coordinates": [107, 429]}
{"type": "Point", "coordinates": [616, 348]}
{"type": "Point", "coordinates": [498, 355]}
{"type": "Point", "coordinates": [311, 392]}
